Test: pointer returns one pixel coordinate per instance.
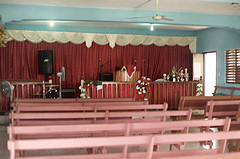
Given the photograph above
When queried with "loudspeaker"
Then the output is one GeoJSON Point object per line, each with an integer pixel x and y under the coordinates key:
{"type": "Point", "coordinates": [68, 92]}
{"type": "Point", "coordinates": [45, 62]}
{"type": "Point", "coordinates": [106, 77]}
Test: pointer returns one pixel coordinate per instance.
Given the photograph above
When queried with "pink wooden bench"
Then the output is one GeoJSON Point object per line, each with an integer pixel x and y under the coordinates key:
{"type": "Point", "coordinates": [55, 118]}
{"type": "Point", "coordinates": [120, 129]}
{"type": "Point", "coordinates": [71, 100]}
{"type": "Point", "coordinates": [36, 106]}
{"type": "Point", "coordinates": [199, 102]}
{"type": "Point", "coordinates": [222, 109]}
{"type": "Point", "coordinates": [146, 140]}
{"type": "Point", "coordinates": [17, 132]}
{"type": "Point", "coordinates": [75, 107]}
{"type": "Point", "coordinates": [234, 155]}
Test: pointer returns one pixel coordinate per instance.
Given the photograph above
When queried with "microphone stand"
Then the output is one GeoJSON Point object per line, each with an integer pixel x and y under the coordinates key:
{"type": "Point", "coordinates": [144, 62]}
{"type": "Point", "coordinates": [103, 65]}
{"type": "Point", "coordinates": [98, 78]}
{"type": "Point", "coordinates": [102, 70]}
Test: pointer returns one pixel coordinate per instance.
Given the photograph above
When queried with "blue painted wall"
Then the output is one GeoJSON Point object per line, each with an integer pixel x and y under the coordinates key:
{"type": "Point", "coordinates": [219, 40]}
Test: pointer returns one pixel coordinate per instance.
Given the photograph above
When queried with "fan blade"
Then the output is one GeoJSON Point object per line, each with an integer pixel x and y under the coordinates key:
{"type": "Point", "coordinates": [167, 19]}
{"type": "Point", "coordinates": [138, 17]}
{"type": "Point", "coordinates": [161, 17]}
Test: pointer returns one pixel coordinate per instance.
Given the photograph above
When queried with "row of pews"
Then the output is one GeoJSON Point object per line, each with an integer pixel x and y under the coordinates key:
{"type": "Point", "coordinates": [113, 128]}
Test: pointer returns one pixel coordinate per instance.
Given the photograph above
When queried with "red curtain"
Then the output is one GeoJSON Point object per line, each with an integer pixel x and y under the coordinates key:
{"type": "Point", "coordinates": [19, 60]}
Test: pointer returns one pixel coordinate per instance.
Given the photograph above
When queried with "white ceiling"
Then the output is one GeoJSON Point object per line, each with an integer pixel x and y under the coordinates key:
{"type": "Point", "coordinates": [193, 6]}
{"type": "Point", "coordinates": [224, 7]}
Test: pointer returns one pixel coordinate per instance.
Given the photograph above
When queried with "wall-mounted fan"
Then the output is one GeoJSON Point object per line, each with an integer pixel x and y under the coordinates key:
{"type": "Point", "coordinates": [7, 90]}
{"type": "Point", "coordinates": [156, 17]}
{"type": "Point", "coordinates": [62, 77]}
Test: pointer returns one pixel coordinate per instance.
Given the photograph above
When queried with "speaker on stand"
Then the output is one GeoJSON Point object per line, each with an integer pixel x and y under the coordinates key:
{"type": "Point", "coordinates": [45, 62]}
{"type": "Point", "coordinates": [45, 65]}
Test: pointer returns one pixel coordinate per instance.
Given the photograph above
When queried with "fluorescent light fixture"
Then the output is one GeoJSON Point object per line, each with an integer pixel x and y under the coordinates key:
{"type": "Point", "coordinates": [151, 28]}
{"type": "Point", "coordinates": [51, 23]}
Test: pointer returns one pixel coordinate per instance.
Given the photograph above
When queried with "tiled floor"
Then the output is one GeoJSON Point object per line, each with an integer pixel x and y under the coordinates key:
{"type": "Point", "coordinates": [4, 154]}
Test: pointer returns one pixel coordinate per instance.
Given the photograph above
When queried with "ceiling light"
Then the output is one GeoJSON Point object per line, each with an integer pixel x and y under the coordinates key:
{"type": "Point", "coordinates": [51, 23]}
{"type": "Point", "coordinates": [151, 28]}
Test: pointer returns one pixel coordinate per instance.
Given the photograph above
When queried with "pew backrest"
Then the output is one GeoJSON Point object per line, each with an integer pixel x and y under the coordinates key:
{"type": "Point", "coordinates": [94, 117]}
{"type": "Point", "coordinates": [200, 102]}
{"type": "Point", "coordinates": [232, 89]}
{"type": "Point", "coordinates": [18, 106]}
{"type": "Point", "coordinates": [71, 100]}
{"type": "Point", "coordinates": [17, 132]}
{"type": "Point", "coordinates": [147, 140]}
{"type": "Point", "coordinates": [75, 107]}
{"type": "Point", "coordinates": [221, 109]}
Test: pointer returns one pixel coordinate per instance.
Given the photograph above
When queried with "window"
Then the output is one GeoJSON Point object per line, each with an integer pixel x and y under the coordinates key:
{"type": "Point", "coordinates": [233, 66]}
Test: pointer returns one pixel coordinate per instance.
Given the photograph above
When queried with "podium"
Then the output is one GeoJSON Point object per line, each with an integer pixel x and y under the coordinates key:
{"type": "Point", "coordinates": [122, 76]}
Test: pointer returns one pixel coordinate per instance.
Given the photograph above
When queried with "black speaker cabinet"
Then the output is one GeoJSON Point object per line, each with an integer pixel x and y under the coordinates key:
{"type": "Point", "coordinates": [106, 77]}
{"type": "Point", "coordinates": [68, 93]}
{"type": "Point", "coordinates": [45, 62]}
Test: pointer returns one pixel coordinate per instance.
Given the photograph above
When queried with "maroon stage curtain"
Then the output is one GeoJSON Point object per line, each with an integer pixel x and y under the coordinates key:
{"type": "Point", "coordinates": [19, 60]}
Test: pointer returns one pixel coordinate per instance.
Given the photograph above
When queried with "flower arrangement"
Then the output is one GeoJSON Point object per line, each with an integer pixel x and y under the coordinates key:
{"type": "Point", "coordinates": [3, 36]}
{"type": "Point", "coordinates": [83, 88]}
{"type": "Point", "coordinates": [199, 87]}
{"type": "Point", "coordinates": [87, 84]}
{"type": "Point", "coordinates": [177, 75]}
{"type": "Point", "coordinates": [143, 88]}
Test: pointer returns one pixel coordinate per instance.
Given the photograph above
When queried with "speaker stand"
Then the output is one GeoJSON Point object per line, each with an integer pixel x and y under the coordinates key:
{"type": "Point", "coordinates": [46, 77]}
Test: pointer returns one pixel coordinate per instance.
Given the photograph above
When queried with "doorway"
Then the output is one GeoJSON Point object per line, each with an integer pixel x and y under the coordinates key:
{"type": "Point", "coordinates": [210, 72]}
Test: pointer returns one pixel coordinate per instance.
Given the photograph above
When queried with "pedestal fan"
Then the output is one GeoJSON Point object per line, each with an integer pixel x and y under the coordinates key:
{"type": "Point", "coordinates": [62, 77]}
{"type": "Point", "coordinates": [7, 90]}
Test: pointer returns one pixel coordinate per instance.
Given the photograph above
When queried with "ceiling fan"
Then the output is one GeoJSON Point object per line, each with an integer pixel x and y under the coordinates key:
{"type": "Point", "coordinates": [159, 17]}
{"type": "Point", "coordinates": [156, 17]}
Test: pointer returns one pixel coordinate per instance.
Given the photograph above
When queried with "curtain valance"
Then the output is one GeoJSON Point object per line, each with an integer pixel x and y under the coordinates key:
{"type": "Point", "coordinates": [101, 39]}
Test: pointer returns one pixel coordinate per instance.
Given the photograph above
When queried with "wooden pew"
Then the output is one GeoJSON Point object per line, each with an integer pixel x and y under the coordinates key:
{"type": "Point", "coordinates": [209, 156]}
{"type": "Point", "coordinates": [222, 109]}
{"type": "Point", "coordinates": [147, 140]}
{"type": "Point", "coordinates": [24, 119]}
{"type": "Point", "coordinates": [199, 103]}
{"type": "Point", "coordinates": [238, 115]}
{"type": "Point", "coordinates": [119, 129]}
{"type": "Point", "coordinates": [77, 107]}
{"type": "Point", "coordinates": [36, 105]}
{"type": "Point", "coordinates": [20, 132]}
{"type": "Point", "coordinates": [232, 89]}
{"type": "Point", "coordinates": [71, 100]}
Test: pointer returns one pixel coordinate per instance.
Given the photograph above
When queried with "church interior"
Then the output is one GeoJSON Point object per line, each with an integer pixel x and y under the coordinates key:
{"type": "Point", "coordinates": [119, 79]}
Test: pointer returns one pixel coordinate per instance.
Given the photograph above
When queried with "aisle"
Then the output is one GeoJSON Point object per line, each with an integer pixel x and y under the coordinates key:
{"type": "Point", "coordinates": [4, 154]}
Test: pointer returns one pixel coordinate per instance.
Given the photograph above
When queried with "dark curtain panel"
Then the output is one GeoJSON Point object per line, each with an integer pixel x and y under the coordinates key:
{"type": "Point", "coordinates": [19, 60]}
